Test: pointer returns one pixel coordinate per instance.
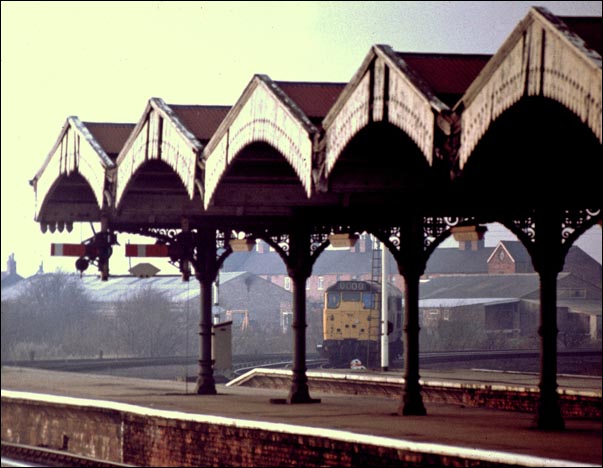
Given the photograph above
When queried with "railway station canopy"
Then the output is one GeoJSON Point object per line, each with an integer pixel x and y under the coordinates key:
{"type": "Point", "coordinates": [415, 147]}
{"type": "Point", "coordinates": [451, 134]}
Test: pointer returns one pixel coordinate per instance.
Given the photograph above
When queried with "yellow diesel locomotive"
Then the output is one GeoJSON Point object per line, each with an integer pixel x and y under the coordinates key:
{"type": "Point", "coordinates": [352, 323]}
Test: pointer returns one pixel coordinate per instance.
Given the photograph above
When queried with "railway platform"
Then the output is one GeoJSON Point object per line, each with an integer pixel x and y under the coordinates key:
{"type": "Point", "coordinates": [482, 431]}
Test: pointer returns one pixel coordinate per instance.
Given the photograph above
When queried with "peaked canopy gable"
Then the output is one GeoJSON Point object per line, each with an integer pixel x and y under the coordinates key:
{"type": "Point", "coordinates": [159, 135]}
{"type": "Point", "coordinates": [263, 113]}
{"type": "Point", "coordinates": [541, 57]}
{"type": "Point", "coordinates": [385, 88]}
{"type": "Point", "coordinates": [76, 151]}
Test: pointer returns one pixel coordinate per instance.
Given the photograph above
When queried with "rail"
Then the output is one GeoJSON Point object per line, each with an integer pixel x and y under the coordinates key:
{"type": "Point", "coordinates": [27, 455]}
{"type": "Point", "coordinates": [270, 360]}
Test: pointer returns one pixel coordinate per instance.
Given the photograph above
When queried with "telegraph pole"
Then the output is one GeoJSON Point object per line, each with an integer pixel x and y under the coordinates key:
{"type": "Point", "coordinates": [384, 310]}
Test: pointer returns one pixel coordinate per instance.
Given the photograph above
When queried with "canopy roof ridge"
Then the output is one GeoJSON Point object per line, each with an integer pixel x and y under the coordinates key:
{"type": "Point", "coordinates": [67, 157]}
{"type": "Point", "coordinates": [568, 35]}
{"type": "Point", "coordinates": [74, 122]}
{"type": "Point", "coordinates": [539, 13]}
{"type": "Point", "coordinates": [250, 127]}
{"type": "Point", "coordinates": [374, 94]}
{"type": "Point", "coordinates": [167, 112]}
{"type": "Point", "coordinates": [289, 103]}
{"type": "Point", "coordinates": [295, 111]}
{"type": "Point", "coordinates": [541, 56]}
{"type": "Point", "coordinates": [81, 128]}
{"type": "Point", "coordinates": [414, 78]}
{"type": "Point", "coordinates": [132, 138]}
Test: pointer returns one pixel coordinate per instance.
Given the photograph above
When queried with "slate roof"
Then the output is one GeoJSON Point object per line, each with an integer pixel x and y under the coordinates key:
{"type": "Point", "coordinates": [110, 136]}
{"type": "Point", "coordinates": [202, 121]}
{"type": "Point", "coordinates": [448, 75]}
{"type": "Point", "coordinates": [330, 262]}
{"type": "Point", "coordinates": [450, 260]}
{"type": "Point", "coordinates": [119, 287]}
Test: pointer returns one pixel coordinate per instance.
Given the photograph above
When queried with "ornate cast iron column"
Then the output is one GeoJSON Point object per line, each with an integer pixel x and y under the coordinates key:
{"type": "Point", "coordinates": [206, 251]}
{"type": "Point", "coordinates": [411, 245]}
{"type": "Point", "coordinates": [548, 234]}
{"type": "Point", "coordinates": [207, 264]}
{"type": "Point", "coordinates": [411, 264]}
{"type": "Point", "coordinates": [299, 251]}
{"type": "Point", "coordinates": [548, 258]}
{"type": "Point", "coordinates": [406, 245]}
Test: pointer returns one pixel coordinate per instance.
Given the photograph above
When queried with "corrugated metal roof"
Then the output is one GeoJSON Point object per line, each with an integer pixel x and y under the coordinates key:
{"type": "Point", "coordinates": [448, 75]}
{"type": "Point", "coordinates": [461, 302]}
{"type": "Point", "coordinates": [315, 99]}
{"type": "Point", "coordinates": [480, 286]}
{"type": "Point", "coordinates": [202, 121]}
{"type": "Point", "coordinates": [110, 136]}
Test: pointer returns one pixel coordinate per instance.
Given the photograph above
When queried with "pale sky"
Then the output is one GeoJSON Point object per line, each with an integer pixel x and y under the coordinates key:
{"type": "Point", "coordinates": [102, 61]}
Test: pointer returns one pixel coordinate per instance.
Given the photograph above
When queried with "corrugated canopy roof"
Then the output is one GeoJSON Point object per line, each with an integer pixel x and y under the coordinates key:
{"type": "Point", "coordinates": [315, 99]}
{"type": "Point", "coordinates": [202, 121]}
{"type": "Point", "coordinates": [588, 28]}
{"type": "Point", "coordinates": [448, 75]}
{"type": "Point", "coordinates": [110, 136]}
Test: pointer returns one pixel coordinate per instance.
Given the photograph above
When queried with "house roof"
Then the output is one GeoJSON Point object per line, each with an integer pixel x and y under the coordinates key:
{"type": "Point", "coordinates": [583, 306]}
{"type": "Point", "coordinates": [515, 249]}
{"type": "Point", "coordinates": [314, 99]}
{"type": "Point", "coordinates": [449, 75]}
{"type": "Point", "coordinates": [462, 302]}
{"type": "Point", "coordinates": [120, 287]}
{"type": "Point", "coordinates": [202, 121]}
{"type": "Point", "coordinates": [451, 260]}
{"type": "Point", "coordinates": [9, 279]}
{"type": "Point", "coordinates": [328, 263]}
{"type": "Point", "coordinates": [110, 136]}
{"type": "Point", "coordinates": [480, 286]}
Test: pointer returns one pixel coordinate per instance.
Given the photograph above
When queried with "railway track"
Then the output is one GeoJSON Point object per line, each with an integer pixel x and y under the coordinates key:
{"type": "Point", "coordinates": [27, 455]}
{"type": "Point", "coordinates": [242, 363]}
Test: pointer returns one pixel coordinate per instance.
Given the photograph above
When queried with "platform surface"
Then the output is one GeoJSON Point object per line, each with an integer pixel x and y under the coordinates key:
{"type": "Point", "coordinates": [489, 430]}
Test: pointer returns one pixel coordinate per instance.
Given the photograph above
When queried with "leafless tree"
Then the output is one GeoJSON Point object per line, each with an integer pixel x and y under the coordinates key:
{"type": "Point", "coordinates": [146, 324]}
{"type": "Point", "coordinates": [50, 308]}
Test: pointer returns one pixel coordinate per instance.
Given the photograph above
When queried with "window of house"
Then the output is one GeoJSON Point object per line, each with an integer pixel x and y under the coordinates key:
{"type": "Point", "coordinates": [321, 283]}
{"type": "Point", "coordinates": [287, 283]}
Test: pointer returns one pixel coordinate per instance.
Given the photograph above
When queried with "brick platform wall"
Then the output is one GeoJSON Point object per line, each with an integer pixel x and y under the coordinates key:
{"type": "Point", "coordinates": [147, 437]}
{"type": "Point", "coordinates": [478, 396]}
{"type": "Point", "coordinates": [63, 427]}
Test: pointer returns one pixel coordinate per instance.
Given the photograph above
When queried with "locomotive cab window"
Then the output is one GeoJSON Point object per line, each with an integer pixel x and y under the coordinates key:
{"type": "Point", "coordinates": [368, 300]}
{"type": "Point", "coordinates": [350, 296]}
{"type": "Point", "coordinates": [333, 300]}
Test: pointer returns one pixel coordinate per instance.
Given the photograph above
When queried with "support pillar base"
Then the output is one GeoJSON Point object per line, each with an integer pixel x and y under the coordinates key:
{"type": "Point", "coordinates": [206, 386]}
{"type": "Point", "coordinates": [294, 401]}
{"type": "Point", "coordinates": [548, 417]}
{"type": "Point", "coordinates": [297, 396]}
{"type": "Point", "coordinates": [412, 405]}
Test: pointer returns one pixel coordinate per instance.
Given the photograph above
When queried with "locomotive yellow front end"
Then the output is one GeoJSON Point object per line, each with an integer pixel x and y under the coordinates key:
{"type": "Point", "coordinates": [351, 322]}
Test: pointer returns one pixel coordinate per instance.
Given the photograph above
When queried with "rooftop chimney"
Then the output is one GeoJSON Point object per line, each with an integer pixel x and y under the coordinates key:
{"type": "Point", "coordinates": [11, 265]}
